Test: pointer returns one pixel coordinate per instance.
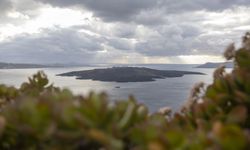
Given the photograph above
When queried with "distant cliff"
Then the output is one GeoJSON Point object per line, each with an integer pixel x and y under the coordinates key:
{"type": "Point", "coordinates": [215, 65]}
{"type": "Point", "coordinates": [127, 74]}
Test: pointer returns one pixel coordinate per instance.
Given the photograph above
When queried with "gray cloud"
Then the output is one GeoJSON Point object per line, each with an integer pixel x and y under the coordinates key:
{"type": "Point", "coordinates": [109, 10]}
{"type": "Point", "coordinates": [124, 30]}
{"type": "Point", "coordinates": [210, 5]}
{"type": "Point", "coordinates": [28, 9]}
{"type": "Point", "coordinates": [185, 39]}
{"type": "Point", "coordinates": [120, 44]}
{"type": "Point", "coordinates": [124, 10]}
{"type": "Point", "coordinates": [148, 28]}
{"type": "Point", "coordinates": [60, 45]}
{"type": "Point", "coordinates": [5, 5]}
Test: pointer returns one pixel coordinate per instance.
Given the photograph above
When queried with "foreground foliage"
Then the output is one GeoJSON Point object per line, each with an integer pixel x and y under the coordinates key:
{"type": "Point", "coordinates": [41, 116]}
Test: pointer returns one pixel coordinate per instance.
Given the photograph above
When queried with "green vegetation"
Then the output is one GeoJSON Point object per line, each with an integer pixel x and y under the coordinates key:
{"type": "Point", "coordinates": [41, 116]}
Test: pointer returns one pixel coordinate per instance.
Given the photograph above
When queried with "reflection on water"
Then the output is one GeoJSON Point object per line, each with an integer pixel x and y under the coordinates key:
{"type": "Point", "coordinates": [163, 92]}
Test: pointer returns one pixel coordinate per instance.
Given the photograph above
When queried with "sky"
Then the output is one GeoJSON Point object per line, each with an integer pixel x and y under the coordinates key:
{"type": "Point", "coordinates": [120, 31]}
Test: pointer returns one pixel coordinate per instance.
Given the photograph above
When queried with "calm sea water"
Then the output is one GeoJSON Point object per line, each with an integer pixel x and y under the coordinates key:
{"type": "Point", "coordinates": [172, 92]}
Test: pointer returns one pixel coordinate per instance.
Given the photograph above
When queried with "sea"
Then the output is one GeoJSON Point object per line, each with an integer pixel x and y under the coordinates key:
{"type": "Point", "coordinates": [168, 92]}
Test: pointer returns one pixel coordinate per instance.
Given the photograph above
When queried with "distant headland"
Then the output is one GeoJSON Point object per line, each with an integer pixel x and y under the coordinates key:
{"type": "Point", "coordinates": [127, 74]}
{"type": "Point", "coordinates": [25, 66]}
{"type": "Point", "coordinates": [20, 66]}
{"type": "Point", "coordinates": [215, 65]}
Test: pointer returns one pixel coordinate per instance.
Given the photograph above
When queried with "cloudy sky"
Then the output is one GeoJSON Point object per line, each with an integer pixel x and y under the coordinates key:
{"type": "Point", "coordinates": [120, 31]}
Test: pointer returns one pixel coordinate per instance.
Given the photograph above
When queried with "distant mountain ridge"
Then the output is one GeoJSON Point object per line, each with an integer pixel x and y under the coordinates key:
{"type": "Point", "coordinates": [215, 65]}
{"type": "Point", "coordinates": [23, 65]}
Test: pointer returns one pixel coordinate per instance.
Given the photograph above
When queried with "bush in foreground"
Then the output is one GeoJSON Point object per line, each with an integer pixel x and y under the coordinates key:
{"type": "Point", "coordinates": [41, 116]}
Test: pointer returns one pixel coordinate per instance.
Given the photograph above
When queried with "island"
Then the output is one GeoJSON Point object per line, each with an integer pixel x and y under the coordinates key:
{"type": "Point", "coordinates": [127, 74]}
{"type": "Point", "coordinates": [215, 65]}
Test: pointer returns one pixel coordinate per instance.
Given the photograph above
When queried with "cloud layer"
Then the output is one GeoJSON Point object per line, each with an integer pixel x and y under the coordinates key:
{"type": "Point", "coordinates": [132, 31]}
